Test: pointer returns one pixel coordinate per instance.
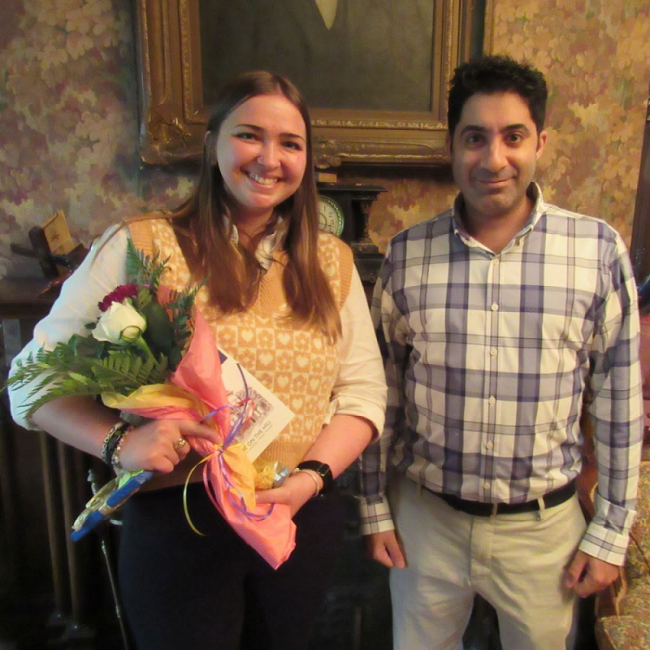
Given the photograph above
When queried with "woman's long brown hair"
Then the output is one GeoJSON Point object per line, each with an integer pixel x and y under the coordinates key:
{"type": "Point", "coordinates": [203, 225]}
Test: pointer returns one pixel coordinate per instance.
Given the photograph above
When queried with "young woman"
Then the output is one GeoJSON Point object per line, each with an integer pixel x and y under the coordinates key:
{"type": "Point", "coordinates": [287, 303]}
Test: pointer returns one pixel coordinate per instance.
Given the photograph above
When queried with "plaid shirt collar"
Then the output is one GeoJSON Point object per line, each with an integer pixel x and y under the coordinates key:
{"type": "Point", "coordinates": [534, 192]}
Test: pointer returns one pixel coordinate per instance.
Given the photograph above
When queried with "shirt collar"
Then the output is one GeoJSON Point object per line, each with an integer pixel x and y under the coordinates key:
{"type": "Point", "coordinates": [539, 207]}
{"type": "Point", "coordinates": [268, 245]}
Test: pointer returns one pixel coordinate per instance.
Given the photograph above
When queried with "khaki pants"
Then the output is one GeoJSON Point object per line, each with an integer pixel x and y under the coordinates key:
{"type": "Point", "coordinates": [516, 562]}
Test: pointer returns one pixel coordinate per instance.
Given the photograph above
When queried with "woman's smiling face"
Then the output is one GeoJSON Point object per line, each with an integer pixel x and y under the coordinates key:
{"type": "Point", "coordinates": [261, 152]}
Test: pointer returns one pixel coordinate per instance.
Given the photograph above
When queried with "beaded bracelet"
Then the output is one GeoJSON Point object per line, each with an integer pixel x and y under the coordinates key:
{"type": "Point", "coordinates": [115, 458]}
{"type": "Point", "coordinates": [112, 439]}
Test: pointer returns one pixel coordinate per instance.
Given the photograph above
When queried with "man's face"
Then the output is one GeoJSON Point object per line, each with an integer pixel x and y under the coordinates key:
{"type": "Point", "coordinates": [494, 152]}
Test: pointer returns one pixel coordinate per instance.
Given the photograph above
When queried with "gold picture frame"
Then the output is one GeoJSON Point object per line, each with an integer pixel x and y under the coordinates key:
{"type": "Point", "coordinates": [174, 113]}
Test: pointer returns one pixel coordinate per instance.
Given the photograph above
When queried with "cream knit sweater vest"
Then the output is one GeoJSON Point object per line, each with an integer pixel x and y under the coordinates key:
{"type": "Point", "coordinates": [299, 365]}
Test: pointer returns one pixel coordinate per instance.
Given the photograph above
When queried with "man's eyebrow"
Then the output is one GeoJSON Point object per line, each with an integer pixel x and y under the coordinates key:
{"type": "Point", "coordinates": [476, 128]}
{"type": "Point", "coordinates": [259, 129]}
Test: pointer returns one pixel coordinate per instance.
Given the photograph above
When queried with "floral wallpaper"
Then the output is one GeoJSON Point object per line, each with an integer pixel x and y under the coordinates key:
{"type": "Point", "coordinates": [69, 124]}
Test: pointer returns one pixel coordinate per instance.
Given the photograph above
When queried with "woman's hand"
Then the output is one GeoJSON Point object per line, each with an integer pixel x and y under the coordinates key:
{"type": "Point", "coordinates": [339, 443]}
{"type": "Point", "coordinates": [82, 422]}
{"type": "Point", "coordinates": [160, 445]}
{"type": "Point", "coordinates": [294, 492]}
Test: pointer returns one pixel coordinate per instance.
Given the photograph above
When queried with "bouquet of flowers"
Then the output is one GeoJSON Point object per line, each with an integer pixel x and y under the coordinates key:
{"type": "Point", "coordinates": [151, 354]}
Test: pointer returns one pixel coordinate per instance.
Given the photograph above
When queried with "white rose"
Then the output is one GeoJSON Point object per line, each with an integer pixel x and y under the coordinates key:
{"type": "Point", "coordinates": [120, 324]}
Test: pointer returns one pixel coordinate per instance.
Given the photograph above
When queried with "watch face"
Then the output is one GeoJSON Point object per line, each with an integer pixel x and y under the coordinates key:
{"type": "Point", "coordinates": [330, 215]}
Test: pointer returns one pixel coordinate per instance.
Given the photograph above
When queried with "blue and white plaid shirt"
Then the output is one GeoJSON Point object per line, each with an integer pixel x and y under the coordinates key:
{"type": "Point", "coordinates": [487, 356]}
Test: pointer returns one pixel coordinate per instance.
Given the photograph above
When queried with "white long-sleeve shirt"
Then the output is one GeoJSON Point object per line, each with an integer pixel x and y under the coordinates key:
{"type": "Point", "coordinates": [360, 387]}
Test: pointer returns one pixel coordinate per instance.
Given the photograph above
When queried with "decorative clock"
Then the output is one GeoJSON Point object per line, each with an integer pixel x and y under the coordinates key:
{"type": "Point", "coordinates": [330, 215]}
{"type": "Point", "coordinates": [347, 206]}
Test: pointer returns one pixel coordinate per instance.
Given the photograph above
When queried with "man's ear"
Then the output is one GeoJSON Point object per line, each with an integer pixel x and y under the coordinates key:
{"type": "Point", "coordinates": [541, 143]}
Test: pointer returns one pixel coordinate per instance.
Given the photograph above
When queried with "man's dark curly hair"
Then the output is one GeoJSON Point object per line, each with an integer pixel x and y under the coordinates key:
{"type": "Point", "coordinates": [497, 74]}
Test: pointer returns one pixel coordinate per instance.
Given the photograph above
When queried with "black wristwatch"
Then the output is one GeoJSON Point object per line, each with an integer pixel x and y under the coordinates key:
{"type": "Point", "coordinates": [323, 470]}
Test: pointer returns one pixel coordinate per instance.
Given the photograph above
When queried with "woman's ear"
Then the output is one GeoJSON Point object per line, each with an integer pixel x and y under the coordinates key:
{"type": "Point", "coordinates": [207, 141]}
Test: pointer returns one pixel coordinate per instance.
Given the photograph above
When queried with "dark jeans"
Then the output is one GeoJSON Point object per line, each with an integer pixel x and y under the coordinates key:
{"type": "Point", "coordinates": [181, 590]}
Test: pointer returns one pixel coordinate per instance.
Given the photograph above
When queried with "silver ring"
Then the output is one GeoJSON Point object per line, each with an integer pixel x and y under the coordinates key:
{"type": "Point", "coordinates": [180, 443]}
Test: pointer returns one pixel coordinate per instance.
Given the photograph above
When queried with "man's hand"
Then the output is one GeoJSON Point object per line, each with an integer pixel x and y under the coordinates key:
{"type": "Point", "coordinates": [385, 549]}
{"type": "Point", "coordinates": [587, 575]}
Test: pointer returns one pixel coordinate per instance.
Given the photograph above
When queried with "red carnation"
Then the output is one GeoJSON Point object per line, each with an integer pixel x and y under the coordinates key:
{"type": "Point", "coordinates": [118, 295]}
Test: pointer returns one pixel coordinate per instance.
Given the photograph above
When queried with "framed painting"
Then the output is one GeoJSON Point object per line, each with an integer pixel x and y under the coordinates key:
{"type": "Point", "coordinates": [374, 72]}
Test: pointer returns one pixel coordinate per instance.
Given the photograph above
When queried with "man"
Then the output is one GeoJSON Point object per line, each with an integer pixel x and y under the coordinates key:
{"type": "Point", "coordinates": [493, 319]}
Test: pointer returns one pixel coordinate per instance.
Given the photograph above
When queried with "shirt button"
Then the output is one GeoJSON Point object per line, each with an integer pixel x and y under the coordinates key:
{"type": "Point", "coordinates": [494, 306]}
{"type": "Point", "coordinates": [489, 445]}
{"type": "Point", "coordinates": [486, 485]}
{"type": "Point", "coordinates": [492, 400]}
{"type": "Point", "coordinates": [493, 352]}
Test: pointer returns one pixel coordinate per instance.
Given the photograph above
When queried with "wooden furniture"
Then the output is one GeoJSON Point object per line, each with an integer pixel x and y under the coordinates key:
{"type": "Point", "coordinates": [43, 487]}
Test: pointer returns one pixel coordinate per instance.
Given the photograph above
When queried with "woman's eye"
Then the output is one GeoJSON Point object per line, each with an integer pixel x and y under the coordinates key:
{"type": "Point", "coordinates": [292, 144]}
{"type": "Point", "coordinates": [245, 135]}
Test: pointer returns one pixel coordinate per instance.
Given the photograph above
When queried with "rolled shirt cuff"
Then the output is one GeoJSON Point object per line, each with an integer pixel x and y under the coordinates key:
{"type": "Point", "coordinates": [605, 544]}
{"type": "Point", "coordinates": [375, 515]}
